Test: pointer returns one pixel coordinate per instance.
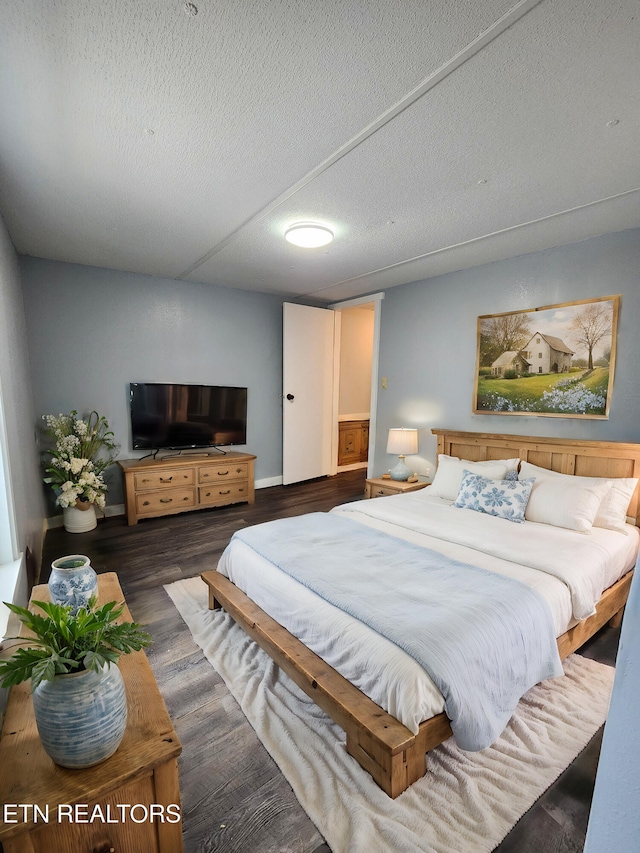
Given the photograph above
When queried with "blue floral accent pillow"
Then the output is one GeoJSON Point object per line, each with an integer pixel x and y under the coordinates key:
{"type": "Point", "coordinates": [511, 475]}
{"type": "Point", "coordinates": [504, 498]}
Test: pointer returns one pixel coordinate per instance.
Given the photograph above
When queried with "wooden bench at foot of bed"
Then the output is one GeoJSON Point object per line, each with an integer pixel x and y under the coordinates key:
{"type": "Point", "coordinates": [383, 746]}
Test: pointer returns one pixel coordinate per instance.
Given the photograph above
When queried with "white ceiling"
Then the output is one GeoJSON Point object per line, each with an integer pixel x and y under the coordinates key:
{"type": "Point", "coordinates": [180, 139]}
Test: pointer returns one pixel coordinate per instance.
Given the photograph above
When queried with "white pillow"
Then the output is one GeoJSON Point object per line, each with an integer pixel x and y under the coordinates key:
{"type": "Point", "coordinates": [510, 464]}
{"type": "Point", "coordinates": [612, 512]}
{"type": "Point", "coordinates": [564, 504]}
{"type": "Point", "coordinates": [448, 476]}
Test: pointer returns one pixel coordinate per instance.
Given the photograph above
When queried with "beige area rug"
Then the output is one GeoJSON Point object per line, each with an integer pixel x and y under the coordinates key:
{"type": "Point", "coordinates": [466, 803]}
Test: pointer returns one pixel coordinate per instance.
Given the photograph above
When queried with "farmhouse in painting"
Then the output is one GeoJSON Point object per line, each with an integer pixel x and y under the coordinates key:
{"type": "Point", "coordinates": [511, 360]}
{"type": "Point", "coordinates": [542, 354]}
{"type": "Point", "coordinates": [547, 354]}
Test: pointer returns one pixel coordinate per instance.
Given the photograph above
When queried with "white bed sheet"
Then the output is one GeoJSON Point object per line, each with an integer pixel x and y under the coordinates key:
{"type": "Point", "coordinates": [591, 562]}
{"type": "Point", "coordinates": [379, 668]}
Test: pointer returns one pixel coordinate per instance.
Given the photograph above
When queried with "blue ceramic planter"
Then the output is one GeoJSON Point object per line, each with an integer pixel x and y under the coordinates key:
{"type": "Point", "coordinates": [81, 717]}
{"type": "Point", "coordinates": [72, 581]}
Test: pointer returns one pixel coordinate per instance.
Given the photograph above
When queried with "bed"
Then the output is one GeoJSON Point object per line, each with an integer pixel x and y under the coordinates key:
{"type": "Point", "coordinates": [390, 709]}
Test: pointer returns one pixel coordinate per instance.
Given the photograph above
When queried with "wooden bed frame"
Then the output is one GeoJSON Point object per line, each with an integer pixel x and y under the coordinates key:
{"type": "Point", "coordinates": [383, 746]}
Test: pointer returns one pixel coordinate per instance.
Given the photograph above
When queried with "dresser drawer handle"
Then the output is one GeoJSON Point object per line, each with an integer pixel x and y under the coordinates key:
{"type": "Point", "coordinates": [222, 473]}
{"type": "Point", "coordinates": [166, 479]}
{"type": "Point", "coordinates": [146, 503]}
{"type": "Point", "coordinates": [380, 493]}
{"type": "Point", "coordinates": [166, 500]}
{"type": "Point", "coordinates": [228, 492]}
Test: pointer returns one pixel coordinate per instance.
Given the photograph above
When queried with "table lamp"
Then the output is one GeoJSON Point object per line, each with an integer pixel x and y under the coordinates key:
{"type": "Point", "coordinates": [402, 442]}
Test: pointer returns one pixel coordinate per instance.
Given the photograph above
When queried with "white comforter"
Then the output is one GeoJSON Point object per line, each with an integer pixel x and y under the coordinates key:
{"type": "Point", "coordinates": [379, 668]}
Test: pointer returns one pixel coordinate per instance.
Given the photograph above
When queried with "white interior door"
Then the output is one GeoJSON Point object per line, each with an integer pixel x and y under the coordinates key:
{"type": "Point", "coordinates": [308, 368]}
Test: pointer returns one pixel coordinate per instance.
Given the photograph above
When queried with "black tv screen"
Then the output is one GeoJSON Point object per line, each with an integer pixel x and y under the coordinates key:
{"type": "Point", "coordinates": [176, 416]}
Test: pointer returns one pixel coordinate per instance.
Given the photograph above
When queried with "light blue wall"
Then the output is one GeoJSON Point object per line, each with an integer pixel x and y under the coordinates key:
{"type": "Point", "coordinates": [17, 400]}
{"type": "Point", "coordinates": [429, 335]}
{"type": "Point", "coordinates": [92, 331]}
{"type": "Point", "coordinates": [22, 465]}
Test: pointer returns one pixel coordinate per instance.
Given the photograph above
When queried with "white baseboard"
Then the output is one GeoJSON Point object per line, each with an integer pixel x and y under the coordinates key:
{"type": "Point", "coordinates": [113, 509]}
{"type": "Point", "coordinates": [269, 481]}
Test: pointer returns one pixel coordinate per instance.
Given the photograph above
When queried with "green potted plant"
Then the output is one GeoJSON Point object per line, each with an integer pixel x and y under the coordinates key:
{"type": "Point", "coordinates": [80, 450]}
{"type": "Point", "coordinates": [78, 693]}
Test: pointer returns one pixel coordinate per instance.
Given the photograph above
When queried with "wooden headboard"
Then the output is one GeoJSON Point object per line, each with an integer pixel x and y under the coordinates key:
{"type": "Point", "coordinates": [566, 456]}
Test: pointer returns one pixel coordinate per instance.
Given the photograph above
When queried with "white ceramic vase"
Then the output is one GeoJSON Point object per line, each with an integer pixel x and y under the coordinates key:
{"type": "Point", "coordinates": [79, 520]}
{"type": "Point", "coordinates": [72, 581]}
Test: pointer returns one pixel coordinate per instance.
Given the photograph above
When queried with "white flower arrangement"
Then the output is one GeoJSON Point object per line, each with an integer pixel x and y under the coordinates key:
{"type": "Point", "coordinates": [82, 449]}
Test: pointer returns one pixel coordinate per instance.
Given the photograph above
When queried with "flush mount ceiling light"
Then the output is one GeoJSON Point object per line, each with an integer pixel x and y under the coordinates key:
{"type": "Point", "coordinates": [309, 235]}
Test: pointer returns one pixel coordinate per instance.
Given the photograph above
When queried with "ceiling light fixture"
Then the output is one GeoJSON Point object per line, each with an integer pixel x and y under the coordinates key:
{"type": "Point", "coordinates": [309, 235]}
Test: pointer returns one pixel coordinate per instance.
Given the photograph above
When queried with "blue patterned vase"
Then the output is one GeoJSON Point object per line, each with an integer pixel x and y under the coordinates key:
{"type": "Point", "coordinates": [82, 716]}
{"type": "Point", "coordinates": [72, 581]}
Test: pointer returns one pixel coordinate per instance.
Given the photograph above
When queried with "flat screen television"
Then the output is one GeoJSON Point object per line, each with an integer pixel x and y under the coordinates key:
{"type": "Point", "coordinates": [177, 417]}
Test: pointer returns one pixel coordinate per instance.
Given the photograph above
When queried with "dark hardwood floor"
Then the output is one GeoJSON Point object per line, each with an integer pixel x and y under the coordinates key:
{"type": "Point", "coordinates": [234, 798]}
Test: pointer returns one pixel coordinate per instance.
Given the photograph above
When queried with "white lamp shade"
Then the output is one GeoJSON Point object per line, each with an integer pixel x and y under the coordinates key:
{"type": "Point", "coordinates": [402, 442]}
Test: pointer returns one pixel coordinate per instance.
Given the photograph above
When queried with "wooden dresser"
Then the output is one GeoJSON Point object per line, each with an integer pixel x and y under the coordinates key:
{"type": "Point", "coordinates": [155, 487]}
{"type": "Point", "coordinates": [128, 803]}
{"type": "Point", "coordinates": [353, 441]}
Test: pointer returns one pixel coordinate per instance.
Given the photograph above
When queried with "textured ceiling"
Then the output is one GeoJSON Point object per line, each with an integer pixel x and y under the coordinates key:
{"type": "Point", "coordinates": [180, 140]}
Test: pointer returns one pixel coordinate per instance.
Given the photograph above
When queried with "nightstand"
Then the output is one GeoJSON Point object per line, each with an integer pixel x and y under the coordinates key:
{"type": "Point", "coordinates": [378, 487]}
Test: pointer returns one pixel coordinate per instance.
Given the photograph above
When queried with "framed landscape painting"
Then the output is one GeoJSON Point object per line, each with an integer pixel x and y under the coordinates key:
{"type": "Point", "coordinates": [557, 361]}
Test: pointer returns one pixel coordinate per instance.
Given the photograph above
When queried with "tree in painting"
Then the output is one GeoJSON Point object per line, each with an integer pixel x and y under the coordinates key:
{"type": "Point", "coordinates": [589, 326]}
{"type": "Point", "coordinates": [503, 333]}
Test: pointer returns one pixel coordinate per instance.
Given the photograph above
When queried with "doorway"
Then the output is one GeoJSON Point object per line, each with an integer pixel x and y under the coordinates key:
{"type": "Point", "coordinates": [312, 383]}
{"type": "Point", "coordinates": [356, 381]}
{"type": "Point", "coordinates": [354, 386]}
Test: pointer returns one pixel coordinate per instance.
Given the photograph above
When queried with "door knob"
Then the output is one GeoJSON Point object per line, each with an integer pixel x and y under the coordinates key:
{"type": "Point", "coordinates": [290, 397]}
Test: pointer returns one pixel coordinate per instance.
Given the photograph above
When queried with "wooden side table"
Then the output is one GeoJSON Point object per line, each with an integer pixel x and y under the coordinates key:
{"type": "Point", "coordinates": [379, 487]}
{"type": "Point", "coordinates": [128, 803]}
